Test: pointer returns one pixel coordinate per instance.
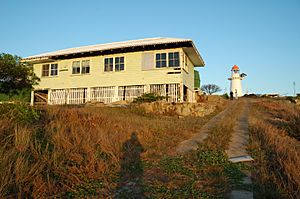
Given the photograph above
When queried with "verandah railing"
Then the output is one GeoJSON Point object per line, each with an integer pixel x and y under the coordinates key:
{"type": "Point", "coordinates": [111, 94]}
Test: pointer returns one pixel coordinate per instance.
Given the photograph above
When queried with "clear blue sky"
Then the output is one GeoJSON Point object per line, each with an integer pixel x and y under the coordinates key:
{"type": "Point", "coordinates": [262, 37]}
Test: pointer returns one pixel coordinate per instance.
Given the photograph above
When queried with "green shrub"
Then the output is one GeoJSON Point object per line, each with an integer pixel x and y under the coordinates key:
{"type": "Point", "coordinates": [19, 112]}
{"type": "Point", "coordinates": [290, 98]}
{"type": "Point", "coordinates": [225, 96]}
{"type": "Point", "coordinates": [4, 97]}
{"type": "Point", "coordinates": [148, 97]}
{"type": "Point", "coordinates": [22, 95]}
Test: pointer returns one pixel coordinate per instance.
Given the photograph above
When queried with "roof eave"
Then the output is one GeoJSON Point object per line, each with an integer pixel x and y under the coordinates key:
{"type": "Point", "coordinates": [194, 56]}
{"type": "Point", "coordinates": [199, 66]}
{"type": "Point", "coordinates": [202, 61]}
{"type": "Point", "coordinates": [36, 59]}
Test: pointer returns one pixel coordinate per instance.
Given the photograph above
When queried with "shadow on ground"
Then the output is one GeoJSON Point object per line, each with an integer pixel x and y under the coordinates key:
{"type": "Point", "coordinates": [131, 174]}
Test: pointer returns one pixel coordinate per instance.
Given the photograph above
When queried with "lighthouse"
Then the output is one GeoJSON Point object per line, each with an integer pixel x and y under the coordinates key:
{"type": "Point", "coordinates": [236, 81]}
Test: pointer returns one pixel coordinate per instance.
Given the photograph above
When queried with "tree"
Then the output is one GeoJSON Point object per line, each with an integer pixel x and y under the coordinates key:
{"type": "Point", "coordinates": [210, 88]}
{"type": "Point", "coordinates": [15, 75]}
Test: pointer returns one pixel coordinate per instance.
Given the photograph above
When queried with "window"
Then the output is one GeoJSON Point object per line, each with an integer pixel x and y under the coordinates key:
{"type": "Point", "coordinates": [54, 69]}
{"type": "Point", "coordinates": [85, 67]}
{"type": "Point", "coordinates": [76, 67]}
{"type": "Point", "coordinates": [171, 61]}
{"type": "Point", "coordinates": [45, 70]}
{"type": "Point", "coordinates": [185, 66]}
{"type": "Point", "coordinates": [174, 59]}
{"type": "Point", "coordinates": [161, 60]}
{"type": "Point", "coordinates": [108, 64]}
{"type": "Point", "coordinates": [49, 70]}
{"type": "Point", "coordinates": [119, 63]}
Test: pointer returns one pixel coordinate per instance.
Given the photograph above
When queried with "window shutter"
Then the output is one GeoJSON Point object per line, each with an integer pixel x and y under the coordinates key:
{"type": "Point", "coordinates": [148, 61]}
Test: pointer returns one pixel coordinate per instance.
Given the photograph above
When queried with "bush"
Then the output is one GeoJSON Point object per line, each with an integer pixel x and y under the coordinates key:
{"type": "Point", "coordinates": [290, 98]}
{"type": "Point", "coordinates": [19, 113]}
{"type": "Point", "coordinates": [225, 96]}
{"type": "Point", "coordinates": [22, 95]}
{"type": "Point", "coordinates": [148, 97]}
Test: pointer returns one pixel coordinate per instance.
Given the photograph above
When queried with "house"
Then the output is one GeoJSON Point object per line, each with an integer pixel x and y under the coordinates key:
{"type": "Point", "coordinates": [117, 71]}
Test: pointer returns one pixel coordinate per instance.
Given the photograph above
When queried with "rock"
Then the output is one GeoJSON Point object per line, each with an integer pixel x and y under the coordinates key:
{"type": "Point", "coordinates": [147, 107]}
{"type": "Point", "coordinates": [180, 109]}
{"type": "Point", "coordinates": [185, 111]}
{"type": "Point", "coordinates": [121, 102]}
{"type": "Point", "coordinates": [95, 103]}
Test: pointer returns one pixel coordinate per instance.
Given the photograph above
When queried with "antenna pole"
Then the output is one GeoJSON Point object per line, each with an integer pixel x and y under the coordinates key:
{"type": "Point", "coordinates": [294, 86]}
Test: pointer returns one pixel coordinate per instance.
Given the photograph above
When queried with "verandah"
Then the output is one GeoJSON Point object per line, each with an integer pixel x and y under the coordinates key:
{"type": "Point", "coordinates": [111, 94]}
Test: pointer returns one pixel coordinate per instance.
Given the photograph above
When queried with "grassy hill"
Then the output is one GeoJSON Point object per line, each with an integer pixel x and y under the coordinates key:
{"type": "Point", "coordinates": [75, 152]}
{"type": "Point", "coordinates": [275, 146]}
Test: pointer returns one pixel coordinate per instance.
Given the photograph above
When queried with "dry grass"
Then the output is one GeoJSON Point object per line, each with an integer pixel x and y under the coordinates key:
{"type": "Point", "coordinates": [275, 146]}
{"type": "Point", "coordinates": [283, 115]}
{"type": "Point", "coordinates": [78, 152]}
{"type": "Point", "coordinates": [205, 173]}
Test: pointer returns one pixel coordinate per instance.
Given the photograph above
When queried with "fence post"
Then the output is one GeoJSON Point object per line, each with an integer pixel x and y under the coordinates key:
{"type": "Point", "coordinates": [49, 96]}
{"type": "Point", "coordinates": [32, 98]}
{"type": "Point", "coordinates": [181, 92]}
{"type": "Point", "coordinates": [88, 93]}
{"type": "Point", "coordinates": [116, 94]}
{"type": "Point", "coordinates": [147, 88]}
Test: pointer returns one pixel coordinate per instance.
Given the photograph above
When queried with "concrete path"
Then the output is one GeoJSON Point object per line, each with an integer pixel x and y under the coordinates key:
{"type": "Point", "coordinates": [192, 143]}
{"type": "Point", "coordinates": [240, 194]}
{"type": "Point", "coordinates": [237, 151]}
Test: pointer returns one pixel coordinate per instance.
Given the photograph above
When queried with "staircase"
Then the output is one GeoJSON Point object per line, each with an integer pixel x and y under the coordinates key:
{"type": "Point", "coordinates": [40, 98]}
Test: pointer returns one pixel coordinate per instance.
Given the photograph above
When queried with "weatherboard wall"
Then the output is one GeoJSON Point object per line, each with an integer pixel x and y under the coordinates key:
{"type": "Point", "coordinates": [132, 75]}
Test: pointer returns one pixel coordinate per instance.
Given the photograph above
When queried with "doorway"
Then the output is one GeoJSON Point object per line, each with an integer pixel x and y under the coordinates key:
{"type": "Point", "coordinates": [185, 93]}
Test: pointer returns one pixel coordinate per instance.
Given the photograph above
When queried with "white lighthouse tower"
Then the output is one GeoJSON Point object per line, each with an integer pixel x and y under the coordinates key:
{"type": "Point", "coordinates": [236, 81]}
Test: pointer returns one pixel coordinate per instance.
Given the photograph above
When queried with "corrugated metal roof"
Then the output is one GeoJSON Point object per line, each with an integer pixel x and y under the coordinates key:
{"type": "Point", "coordinates": [110, 46]}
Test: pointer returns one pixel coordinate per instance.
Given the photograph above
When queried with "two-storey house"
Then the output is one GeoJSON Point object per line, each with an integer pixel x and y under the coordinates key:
{"type": "Point", "coordinates": [117, 71]}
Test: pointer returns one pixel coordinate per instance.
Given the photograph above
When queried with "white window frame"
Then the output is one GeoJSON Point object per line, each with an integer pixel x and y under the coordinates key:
{"type": "Point", "coordinates": [78, 66]}
{"type": "Point", "coordinates": [50, 69]}
{"type": "Point", "coordinates": [120, 63]}
{"type": "Point", "coordinates": [173, 59]}
{"type": "Point", "coordinates": [167, 59]}
{"type": "Point", "coordinates": [109, 64]}
{"type": "Point", "coordinates": [113, 63]}
{"type": "Point", "coordinates": [81, 66]}
{"type": "Point", "coordinates": [161, 60]}
{"type": "Point", "coordinates": [85, 67]}
{"type": "Point", "coordinates": [186, 61]}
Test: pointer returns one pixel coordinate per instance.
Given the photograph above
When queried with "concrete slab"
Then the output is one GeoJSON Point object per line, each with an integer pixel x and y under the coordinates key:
{"type": "Point", "coordinates": [241, 194]}
{"type": "Point", "coordinates": [192, 143]}
{"type": "Point", "coordinates": [245, 158]}
{"type": "Point", "coordinates": [240, 137]}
